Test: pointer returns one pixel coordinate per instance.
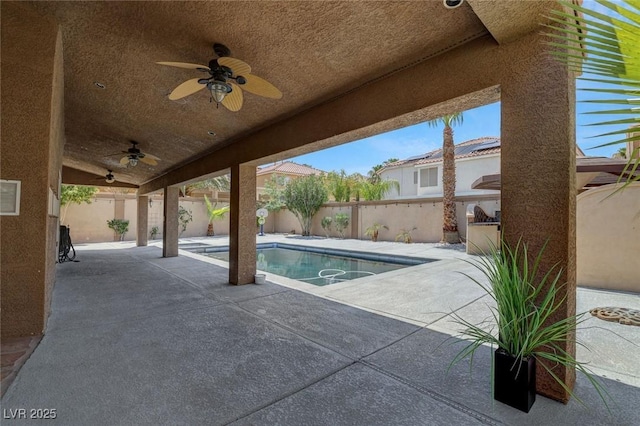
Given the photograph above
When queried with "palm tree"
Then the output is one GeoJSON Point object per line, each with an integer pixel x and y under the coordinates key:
{"type": "Point", "coordinates": [450, 224]}
{"type": "Point", "coordinates": [621, 153]}
{"type": "Point", "coordinates": [215, 184]}
{"type": "Point", "coordinates": [214, 214]}
{"type": "Point", "coordinates": [374, 173]}
{"type": "Point", "coordinates": [609, 56]}
{"type": "Point", "coordinates": [341, 186]}
{"type": "Point", "coordinates": [373, 191]}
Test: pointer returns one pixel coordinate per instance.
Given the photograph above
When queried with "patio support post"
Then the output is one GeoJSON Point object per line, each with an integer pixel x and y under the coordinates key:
{"type": "Point", "coordinates": [355, 221]}
{"type": "Point", "coordinates": [33, 135]}
{"type": "Point", "coordinates": [170, 224]}
{"type": "Point", "coordinates": [242, 226]}
{"type": "Point", "coordinates": [538, 162]}
{"type": "Point", "coordinates": [118, 206]}
{"type": "Point", "coordinates": [142, 234]}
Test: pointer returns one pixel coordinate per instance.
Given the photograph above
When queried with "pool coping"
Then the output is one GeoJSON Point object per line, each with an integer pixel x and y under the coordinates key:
{"type": "Point", "coordinates": [306, 287]}
{"type": "Point", "coordinates": [394, 259]}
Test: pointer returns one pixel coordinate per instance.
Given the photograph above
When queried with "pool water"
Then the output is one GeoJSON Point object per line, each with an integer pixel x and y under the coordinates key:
{"type": "Point", "coordinates": [315, 268]}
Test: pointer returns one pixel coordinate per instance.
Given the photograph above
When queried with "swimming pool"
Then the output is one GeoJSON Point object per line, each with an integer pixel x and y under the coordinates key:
{"type": "Point", "coordinates": [318, 266]}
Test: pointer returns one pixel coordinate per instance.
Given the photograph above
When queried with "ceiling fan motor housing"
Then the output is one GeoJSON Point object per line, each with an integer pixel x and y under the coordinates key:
{"type": "Point", "coordinates": [221, 50]}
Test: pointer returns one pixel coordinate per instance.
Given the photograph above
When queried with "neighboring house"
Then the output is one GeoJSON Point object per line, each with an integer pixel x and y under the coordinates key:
{"type": "Point", "coordinates": [288, 169]}
{"type": "Point", "coordinates": [421, 175]}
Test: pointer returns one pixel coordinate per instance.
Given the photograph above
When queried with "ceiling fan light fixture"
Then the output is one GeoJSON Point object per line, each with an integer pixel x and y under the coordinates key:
{"type": "Point", "coordinates": [133, 161]}
{"type": "Point", "coordinates": [219, 89]}
{"type": "Point", "coordinates": [110, 179]}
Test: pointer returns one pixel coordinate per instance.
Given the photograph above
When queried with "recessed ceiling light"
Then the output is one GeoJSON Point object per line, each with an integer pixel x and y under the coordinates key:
{"type": "Point", "coordinates": [211, 133]}
{"type": "Point", "coordinates": [99, 85]}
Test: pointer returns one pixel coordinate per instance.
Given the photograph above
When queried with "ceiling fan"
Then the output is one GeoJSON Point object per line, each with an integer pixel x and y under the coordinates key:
{"type": "Point", "coordinates": [227, 78]}
{"type": "Point", "coordinates": [109, 177]}
{"type": "Point", "coordinates": [134, 155]}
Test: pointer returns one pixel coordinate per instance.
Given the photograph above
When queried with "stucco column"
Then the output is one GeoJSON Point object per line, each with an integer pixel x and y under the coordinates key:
{"type": "Point", "coordinates": [355, 221]}
{"type": "Point", "coordinates": [242, 225]}
{"type": "Point", "coordinates": [170, 223]}
{"type": "Point", "coordinates": [32, 123]}
{"type": "Point", "coordinates": [118, 206]}
{"type": "Point", "coordinates": [538, 175]}
{"type": "Point", "coordinates": [142, 236]}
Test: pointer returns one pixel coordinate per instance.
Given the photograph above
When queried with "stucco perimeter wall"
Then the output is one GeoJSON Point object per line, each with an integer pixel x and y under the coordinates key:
{"type": "Point", "coordinates": [88, 222]}
{"type": "Point", "coordinates": [608, 238]}
{"type": "Point", "coordinates": [423, 214]}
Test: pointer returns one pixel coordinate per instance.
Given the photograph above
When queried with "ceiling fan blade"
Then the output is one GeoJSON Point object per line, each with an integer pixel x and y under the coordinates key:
{"type": "Point", "coordinates": [233, 101]}
{"type": "Point", "coordinates": [184, 65]}
{"type": "Point", "coordinates": [153, 157]}
{"type": "Point", "coordinates": [187, 88]}
{"type": "Point", "coordinates": [261, 87]}
{"type": "Point", "coordinates": [237, 66]}
{"type": "Point", "coordinates": [124, 161]}
{"type": "Point", "coordinates": [148, 160]}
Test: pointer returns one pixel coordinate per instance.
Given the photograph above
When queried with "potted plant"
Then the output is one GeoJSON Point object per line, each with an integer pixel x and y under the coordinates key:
{"type": "Point", "coordinates": [373, 231]}
{"type": "Point", "coordinates": [154, 231]}
{"type": "Point", "coordinates": [526, 300]}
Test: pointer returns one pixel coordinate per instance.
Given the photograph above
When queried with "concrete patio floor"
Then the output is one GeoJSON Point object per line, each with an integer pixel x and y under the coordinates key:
{"type": "Point", "coordinates": [134, 338]}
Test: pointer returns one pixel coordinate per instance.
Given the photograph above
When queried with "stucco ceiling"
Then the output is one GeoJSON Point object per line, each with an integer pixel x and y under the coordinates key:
{"type": "Point", "coordinates": [312, 51]}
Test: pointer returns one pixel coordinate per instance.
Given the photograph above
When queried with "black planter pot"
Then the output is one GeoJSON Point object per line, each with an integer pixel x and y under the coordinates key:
{"type": "Point", "coordinates": [514, 381]}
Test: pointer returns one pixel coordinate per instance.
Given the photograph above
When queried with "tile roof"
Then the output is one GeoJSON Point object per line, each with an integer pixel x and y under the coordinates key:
{"type": "Point", "coordinates": [289, 167]}
{"type": "Point", "coordinates": [472, 148]}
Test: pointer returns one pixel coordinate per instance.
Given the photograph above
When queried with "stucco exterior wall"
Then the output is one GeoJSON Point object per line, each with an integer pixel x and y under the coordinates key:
{"type": "Point", "coordinates": [608, 238]}
{"type": "Point", "coordinates": [32, 130]}
{"type": "Point", "coordinates": [88, 222]}
{"type": "Point", "coordinates": [198, 227]}
{"type": "Point", "coordinates": [332, 210]}
{"type": "Point", "coordinates": [467, 171]}
{"type": "Point", "coordinates": [404, 176]}
{"type": "Point", "coordinates": [423, 214]}
{"type": "Point", "coordinates": [470, 169]}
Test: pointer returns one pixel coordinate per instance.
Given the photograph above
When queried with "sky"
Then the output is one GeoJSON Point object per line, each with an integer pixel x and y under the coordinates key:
{"type": "Point", "coordinates": [360, 156]}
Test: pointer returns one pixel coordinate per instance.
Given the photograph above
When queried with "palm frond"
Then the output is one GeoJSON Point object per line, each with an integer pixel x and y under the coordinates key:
{"type": "Point", "coordinates": [608, 50]}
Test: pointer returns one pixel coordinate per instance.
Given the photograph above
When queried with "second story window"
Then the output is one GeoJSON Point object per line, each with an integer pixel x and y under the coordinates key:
{"type": "Point", "coordinates": [429, 177]}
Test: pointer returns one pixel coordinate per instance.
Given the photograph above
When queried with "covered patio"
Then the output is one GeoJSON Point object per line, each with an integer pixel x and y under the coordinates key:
{"type": "Point", "coordinates": [170, 341]}
{"type": "Point", "coordinates": [80, 83]}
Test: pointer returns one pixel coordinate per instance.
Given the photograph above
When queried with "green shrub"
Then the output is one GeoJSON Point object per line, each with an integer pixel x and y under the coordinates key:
{"type": "Point", "coordinates": [326, 224]}
{"type": "Point", "coordinates": [154, 231]}
{"type": "Point", "coordinates": [342, 221]}
{"type": "Point", "coordinates": [119, 226]}
{"type": "Point", "coordinates": [184, 217]}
